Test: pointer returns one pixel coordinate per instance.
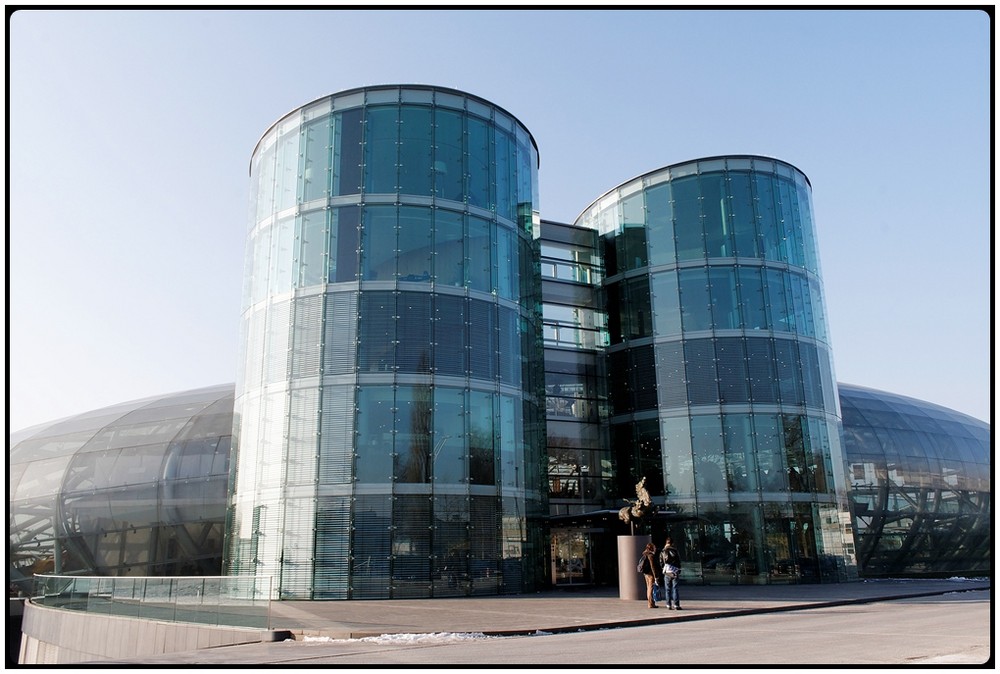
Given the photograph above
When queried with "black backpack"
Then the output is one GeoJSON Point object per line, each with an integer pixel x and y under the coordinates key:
{"type": "Point", "coordinates": [641, 568]}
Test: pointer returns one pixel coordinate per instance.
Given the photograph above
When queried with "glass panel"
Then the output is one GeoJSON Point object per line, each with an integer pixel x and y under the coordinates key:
{"type": "Point", "coordinates": [707, 450]}
{"type": "Point", "coordinates": [702, 381]}
{"type": "Point", "coordinates": [415, 243]}
{"type": "Point", "coordinates": [449, 436]}
{"type": "Point", "coordinates": [448, 167]}
{"type": "Point", "coordinates": [478, 263]}
{"type": "Point", "coordinates": [733, 387]}
{"type": "Point", "coordinates": [374, 424]}
{"type": "Point", "coordinates": [482, 458]}
{"type": "Point", "coordinates": [634, 232]}
{"type": "Point", "coordinates": [448, 253]}
{"type": "Point", "coordinates": [779, 314]}
{"type": "Point", "coordinates": [687, 218]}
{"type": "Point", "coordinates": [381, 144]}
{"type": "Point", "coordinates": [638, 319]}
{"type": "Point", "coordinates": [287, 171]}
{"type": "Point", "coordinates": [416, 138]}
{"type": "Point", "coordinates": [413, 332]}
{"type": "Point", "coordinates": [752, 296]}
{"type": "Point", "coordinates": [718, 238]}
{"type": "Point", "coordinates": [282, 240]}
{"type": "Point", "coordinates": [743, 221]}
{"type": "Point", "coordinates": [666, 304]}
{"type": "Point", "coordinates": [347, 157]}
{"type": "Point", "coordinates": [760, 371]}
{"type": "Point", "coordinates": [450, 329]}
{"type": "Point", "coordinates": [786, 358]}
{"type": "Point", "coordinates": [378, 243]}
{"type": "Point", "coordinates": [413, 433]}
{"type": "Point", "coordinates": [344, 235]}
{"type": "Point", "coordinates": [506, 202]}
{"type": "Point", "coordinates": [479, 163]}
{"type": "Point", "coordinates": [695, 300]}
{"type": "Point", "coordinates": [725, 303]}
{"type": "Point", "coordinates": [770, 450]}
{"type": "Point", "coordinates": [659, 223]}
{"type": "Point", "coordinates": [741, 470]}
{"type": "Point", "coordinates": [316, 171]}
{"type": "Point", "coordinates": [377, 332]}
{"type": "Point", "coordinates": [677, 458]}
{"type": "Point", "coordinates": [768, 230]}
{"type": "Point", "coordinates": [507, 268]}
{"type": "Point", "coordinates": [311, 230]}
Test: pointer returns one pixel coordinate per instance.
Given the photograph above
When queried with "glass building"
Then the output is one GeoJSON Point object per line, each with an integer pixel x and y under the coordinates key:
{"type": "Point", "coordinates": [389, 430]}
{"type": "Point", "coordinates": [137, 489]}
{"type": "Point", "coordinates": [920, 486]}
{"type": "Point", "coordinates": [721, 385]}
{"type": "Point", "coordinates": [140, 489]}
{"type": "Point", "coordinates": [440, 394]}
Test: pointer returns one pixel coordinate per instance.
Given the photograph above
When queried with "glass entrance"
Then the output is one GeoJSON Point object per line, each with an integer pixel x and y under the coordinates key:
{"type": "Point", "coordinates": [571, 557]}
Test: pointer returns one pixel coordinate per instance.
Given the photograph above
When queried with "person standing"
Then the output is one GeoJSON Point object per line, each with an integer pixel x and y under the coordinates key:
{"type": "Point", "coordinates": [651, 572]}
{"type": "Point", "coordinates": [670, 561]}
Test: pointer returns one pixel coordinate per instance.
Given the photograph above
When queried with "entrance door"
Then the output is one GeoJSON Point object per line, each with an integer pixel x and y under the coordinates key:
{"type": "Point", "coordinates": [571, 557]}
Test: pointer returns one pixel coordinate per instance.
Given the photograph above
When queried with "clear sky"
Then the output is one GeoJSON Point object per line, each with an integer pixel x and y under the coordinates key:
{"type": "Point", "coordinates": [130, 135]}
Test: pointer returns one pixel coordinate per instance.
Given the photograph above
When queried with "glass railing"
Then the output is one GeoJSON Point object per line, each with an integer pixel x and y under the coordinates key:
{"type": "Point", "coordinates": [233, 601]}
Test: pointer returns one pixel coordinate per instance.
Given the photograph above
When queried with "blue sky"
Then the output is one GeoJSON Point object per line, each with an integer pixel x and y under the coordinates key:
{"type": "Point", "coordinates": [130, 135]}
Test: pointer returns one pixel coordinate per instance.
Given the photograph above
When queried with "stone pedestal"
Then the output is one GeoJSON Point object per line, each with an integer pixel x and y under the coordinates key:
{"type": "Point", "coordinates": [631, 585]}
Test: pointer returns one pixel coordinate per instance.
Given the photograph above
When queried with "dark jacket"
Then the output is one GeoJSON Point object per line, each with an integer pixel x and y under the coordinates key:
{"type": "Point", "coordinates": [670, 556]}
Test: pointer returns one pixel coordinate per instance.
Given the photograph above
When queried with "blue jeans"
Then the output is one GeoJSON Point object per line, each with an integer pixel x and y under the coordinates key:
{"type": "Point", "coordinates": [670, 590]}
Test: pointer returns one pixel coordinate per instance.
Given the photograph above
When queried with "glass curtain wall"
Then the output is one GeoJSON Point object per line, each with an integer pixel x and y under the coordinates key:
{"type": "Point", "coordinates": [579, 466]}
{"type": "Point", "coordinates": [389, 419]}
{"type": "Point", "coordinates": [721, 382]}
{"type": "Point", "coordinates": [920, 486]}
{"type": "Point", "coordinates": [137, 489]}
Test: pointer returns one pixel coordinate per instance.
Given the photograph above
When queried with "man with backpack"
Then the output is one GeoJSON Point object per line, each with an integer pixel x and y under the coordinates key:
{"type": "Point", "coordinates": [670, 560]}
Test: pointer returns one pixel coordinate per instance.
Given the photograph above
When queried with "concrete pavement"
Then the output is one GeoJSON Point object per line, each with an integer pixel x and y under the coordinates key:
{"type": "Point", "coordinates": [572, 610]}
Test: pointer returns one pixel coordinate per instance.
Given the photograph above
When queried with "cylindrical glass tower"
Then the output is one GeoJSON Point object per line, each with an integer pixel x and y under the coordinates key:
{"type": "Point", "coordinates": [389, 428]}
{"type": "Point", "coordinates": [720, 376]}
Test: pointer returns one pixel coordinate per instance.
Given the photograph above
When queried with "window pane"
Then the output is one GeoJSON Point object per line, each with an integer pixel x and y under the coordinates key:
{"type": "Point", "coordinates": [482, 459]}
{"type": "Point", "coordinates": [768, 232]}
{"type": "Point", "coordinates": [744, 231]}
{"type": "Point", "coordinates": [687, 219]}
{"type": "Point", "coordinates": [378, 243]}
{"type": "Point", "coordinates": [479, 163]}
{"type": "Point", "coordinates": [415, 243]}
{"type": "Point", "coordinates": [381, 141]}
{"type": "Point", "coordinates": [718, 240]}
{"type": "Point", "coordinates": [666, 304]}
{"type": "Point", "coordinates": [725, 304]}
{"type": "Point", "coordinates": [695, 301]}
{"type": "Point", "coordinates": [413, 330]}
{"type": "Point", "coordinates": [741, 470]}
{"type": "Point", "coordinates": [752, 296]}
{"type": "Point", "coordinates": [659, 224]}
{"type": "Point", "coordinates": [450, 353]}
{"type": "Point", "coordinates": [413, 432]}
{"type": "Point", "coordinates": [448, 168]}
{"type": "Point", "coordinates": [416, 137]}
{"type": "Point", "coordinates": [676, 434]}
{"type": "Point", "coordinates": [634, 231]}
{"type": "Point", "coordinates": [507, 268]}
{"type": "Point", "coordinates": [348, 129]}
{"type": "Point", "coordinates": [699, 356]}
{"type": "Point", "coordinates": [377, 331]}
{"type": "Point", "coordinates": [707, 451]}
{"type": "Point", "coordinates": [316, 159]}
{"type": "Point", "coordinates": [312, 248]}
{"type": "Point", "coordinates": [639, 323]}
{"type": "Point", "coordinates": [344, 235]}
{"type": "Point", "coordinates": [374, 461]}
{"type": "Point", "coordinates": [779, 315]}
{"type": "Point", "coordinates": [449, 435]}
{"type": "Point", "coordinates": [478, 264]}
{"type": "Point", "coordinates": [733, 387]}
{"type": "Point", "coordinates": [448, 252]}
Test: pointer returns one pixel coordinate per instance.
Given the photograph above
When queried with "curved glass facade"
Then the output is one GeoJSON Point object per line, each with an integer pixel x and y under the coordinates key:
{"type": "Point", "coordinates": [920, 486]}
{"type": "Point", "coordinates": [720, 377]}
{"type": "Point", "coordinates": [389, 425]}
{"type": "Point", "coordinates": [137, 489]}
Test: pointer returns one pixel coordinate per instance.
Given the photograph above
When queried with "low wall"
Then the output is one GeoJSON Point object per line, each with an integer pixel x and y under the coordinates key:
{"type": "Point", "coordinates": [59, 636]}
